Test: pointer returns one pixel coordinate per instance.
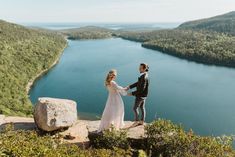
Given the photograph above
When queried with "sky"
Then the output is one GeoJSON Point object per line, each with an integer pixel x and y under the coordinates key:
{"type": "Point", "coordinates": [111, 11]}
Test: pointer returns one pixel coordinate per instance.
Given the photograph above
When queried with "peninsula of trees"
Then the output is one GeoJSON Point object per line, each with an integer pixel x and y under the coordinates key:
{"type": "Point", "coordinates": [88, 32]}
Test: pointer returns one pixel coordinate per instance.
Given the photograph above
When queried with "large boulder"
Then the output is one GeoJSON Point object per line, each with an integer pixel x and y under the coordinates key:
{"type": "Point", "coordinates": [52, 114]}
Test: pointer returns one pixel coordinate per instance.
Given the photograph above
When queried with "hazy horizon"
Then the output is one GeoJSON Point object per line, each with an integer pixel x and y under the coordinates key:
{"type": "Point", "coordinates": [113, 11]}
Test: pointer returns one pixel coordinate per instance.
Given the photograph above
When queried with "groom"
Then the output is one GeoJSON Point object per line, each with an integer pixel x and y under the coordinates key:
{"type": "Point", "coordinates": [141, 93]}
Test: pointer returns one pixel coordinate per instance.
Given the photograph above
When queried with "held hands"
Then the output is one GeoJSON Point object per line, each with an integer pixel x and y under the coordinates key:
{"type": "Point", "coordinates": [126, 89]}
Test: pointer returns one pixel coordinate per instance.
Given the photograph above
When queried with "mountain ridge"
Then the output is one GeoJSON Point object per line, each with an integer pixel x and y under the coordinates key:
{"type": "Point", "coordinates": [224, 23]}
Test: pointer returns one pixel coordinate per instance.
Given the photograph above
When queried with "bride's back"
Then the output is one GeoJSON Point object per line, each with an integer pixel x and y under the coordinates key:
{"type": "Point", "coordinates": [111, 88]}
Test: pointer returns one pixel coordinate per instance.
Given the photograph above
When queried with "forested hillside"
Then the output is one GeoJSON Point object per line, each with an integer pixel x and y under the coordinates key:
{"type": "Point", "coordinates": [223, 23]}
{"type": "Point", "coordinates": [197, 41]}
{"type": "Point", "coordinates": [89, 32]}
{"type": "Point", "coordinates": [23, 54]}
{"type": "Point", "coordinates": [199, 46]}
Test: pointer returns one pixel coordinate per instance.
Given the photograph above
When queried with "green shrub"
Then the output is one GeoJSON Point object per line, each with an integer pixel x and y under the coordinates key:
{"type": "Point", "coordinates": [142, 153]}
{"type": "Point", "coordinates": [30, 144]}
{"type": "Point", "coordinates": [167, 139]}
{"type": "Point", "coordinates": [109, 139]}
{"type": "Point", "coordinates": [163, 137]}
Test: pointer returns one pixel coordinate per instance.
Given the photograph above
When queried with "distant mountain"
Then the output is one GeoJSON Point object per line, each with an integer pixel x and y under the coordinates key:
{"type": "Point", "coordinates": [223, 23]}
{"type": "Point", "coordinates": [88, 32]}
{"type": "Point", "coordinates": [139, 29]}
{"type": "Point", "coordinates": [86, 28]}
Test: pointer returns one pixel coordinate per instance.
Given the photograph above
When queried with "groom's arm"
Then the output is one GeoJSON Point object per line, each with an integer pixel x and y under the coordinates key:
{"type": "Point", "coordinates": [133, 85]}
{"type": "Point", "coordinates": [143, 85]}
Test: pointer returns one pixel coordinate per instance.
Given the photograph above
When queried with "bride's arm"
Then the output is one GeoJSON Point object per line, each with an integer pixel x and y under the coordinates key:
{"type": "Point", "coordinates": [116, 86]}
{"type": "Point", "coordinates": [120, 89]}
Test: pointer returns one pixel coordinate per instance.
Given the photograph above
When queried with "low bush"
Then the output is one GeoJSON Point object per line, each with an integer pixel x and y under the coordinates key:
{"type": "Point", "coordinates": [109, 139]}
{"type": "Point", "coordinates": [167, 139]}
{"type": "Point", "coordinates": [163, 139]}
{"type": "Point", "coordinates": [30, 144]}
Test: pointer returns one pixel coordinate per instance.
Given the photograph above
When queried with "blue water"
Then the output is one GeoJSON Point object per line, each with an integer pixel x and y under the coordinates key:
{"type": "Point", "coordinates": [199, 96]}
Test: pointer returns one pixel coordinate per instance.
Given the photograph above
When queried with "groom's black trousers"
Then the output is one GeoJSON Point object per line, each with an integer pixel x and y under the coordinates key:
{"type": "Point", "coordinates": [139, 103]}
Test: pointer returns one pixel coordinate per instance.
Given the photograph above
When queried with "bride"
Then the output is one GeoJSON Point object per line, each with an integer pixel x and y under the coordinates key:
{"type": "Point", "coordinates": [113, 114]}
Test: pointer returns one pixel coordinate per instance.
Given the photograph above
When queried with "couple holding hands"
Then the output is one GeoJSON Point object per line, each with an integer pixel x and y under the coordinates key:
{"type": "Point", "coordinates": [113, 114]}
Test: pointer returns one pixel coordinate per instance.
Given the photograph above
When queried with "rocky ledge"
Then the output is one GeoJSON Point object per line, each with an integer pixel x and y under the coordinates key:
{"type": "Point", "coordinates": [60, 116]}
{"type": "Point", "coordinates": [80, 130]}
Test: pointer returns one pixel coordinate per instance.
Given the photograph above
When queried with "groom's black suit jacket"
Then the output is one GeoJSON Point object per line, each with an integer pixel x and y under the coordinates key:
{"type": "Point", "coordinates": [141, 86]}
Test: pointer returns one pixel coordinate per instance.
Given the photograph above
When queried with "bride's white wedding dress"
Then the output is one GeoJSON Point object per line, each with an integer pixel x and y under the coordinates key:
{"type": "Point", "coordinates": [113, 114]}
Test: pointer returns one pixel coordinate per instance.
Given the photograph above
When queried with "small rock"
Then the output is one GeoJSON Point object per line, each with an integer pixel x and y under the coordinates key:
{"type": "Point", "coordinates": [52, 114]}
{"type": "Point", "coordinates": [2, 117]}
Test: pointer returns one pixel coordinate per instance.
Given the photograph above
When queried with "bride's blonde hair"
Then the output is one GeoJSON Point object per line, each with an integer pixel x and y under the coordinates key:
{"type": "Point", "coordinates": [111, 74]}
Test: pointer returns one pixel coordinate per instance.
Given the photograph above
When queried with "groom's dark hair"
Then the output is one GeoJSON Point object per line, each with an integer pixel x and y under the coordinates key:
{"type": "Point", "coordinates": [145, 66]}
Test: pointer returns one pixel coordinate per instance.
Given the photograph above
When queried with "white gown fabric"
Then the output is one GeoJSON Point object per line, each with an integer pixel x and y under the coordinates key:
{"type": "Point", "coordinates": [113, 114]}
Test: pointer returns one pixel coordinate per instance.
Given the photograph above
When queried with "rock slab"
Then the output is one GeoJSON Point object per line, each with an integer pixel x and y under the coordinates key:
{"type": "Point", "coordinates": [51, 114]}
{"type": "Point", "coordinates": [83, 129]}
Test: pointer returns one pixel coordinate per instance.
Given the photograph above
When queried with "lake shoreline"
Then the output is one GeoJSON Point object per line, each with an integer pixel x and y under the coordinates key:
{"type": "Point", "coordinates": [185, 57]}
{"type": "Point", "coordinates": [178, 55]}
{"type": "Point", "coordinates": [43, 72]}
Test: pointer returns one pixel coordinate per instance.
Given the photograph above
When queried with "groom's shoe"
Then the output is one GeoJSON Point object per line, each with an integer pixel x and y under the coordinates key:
{"type": "Point", "coordinates": [135, 123]}
{"type": "Point", "coordinates": [141, 122]}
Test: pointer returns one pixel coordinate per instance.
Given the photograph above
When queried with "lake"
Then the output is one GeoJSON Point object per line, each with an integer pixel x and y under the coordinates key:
{"type": "Point", "coordinates": [198, 96]}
